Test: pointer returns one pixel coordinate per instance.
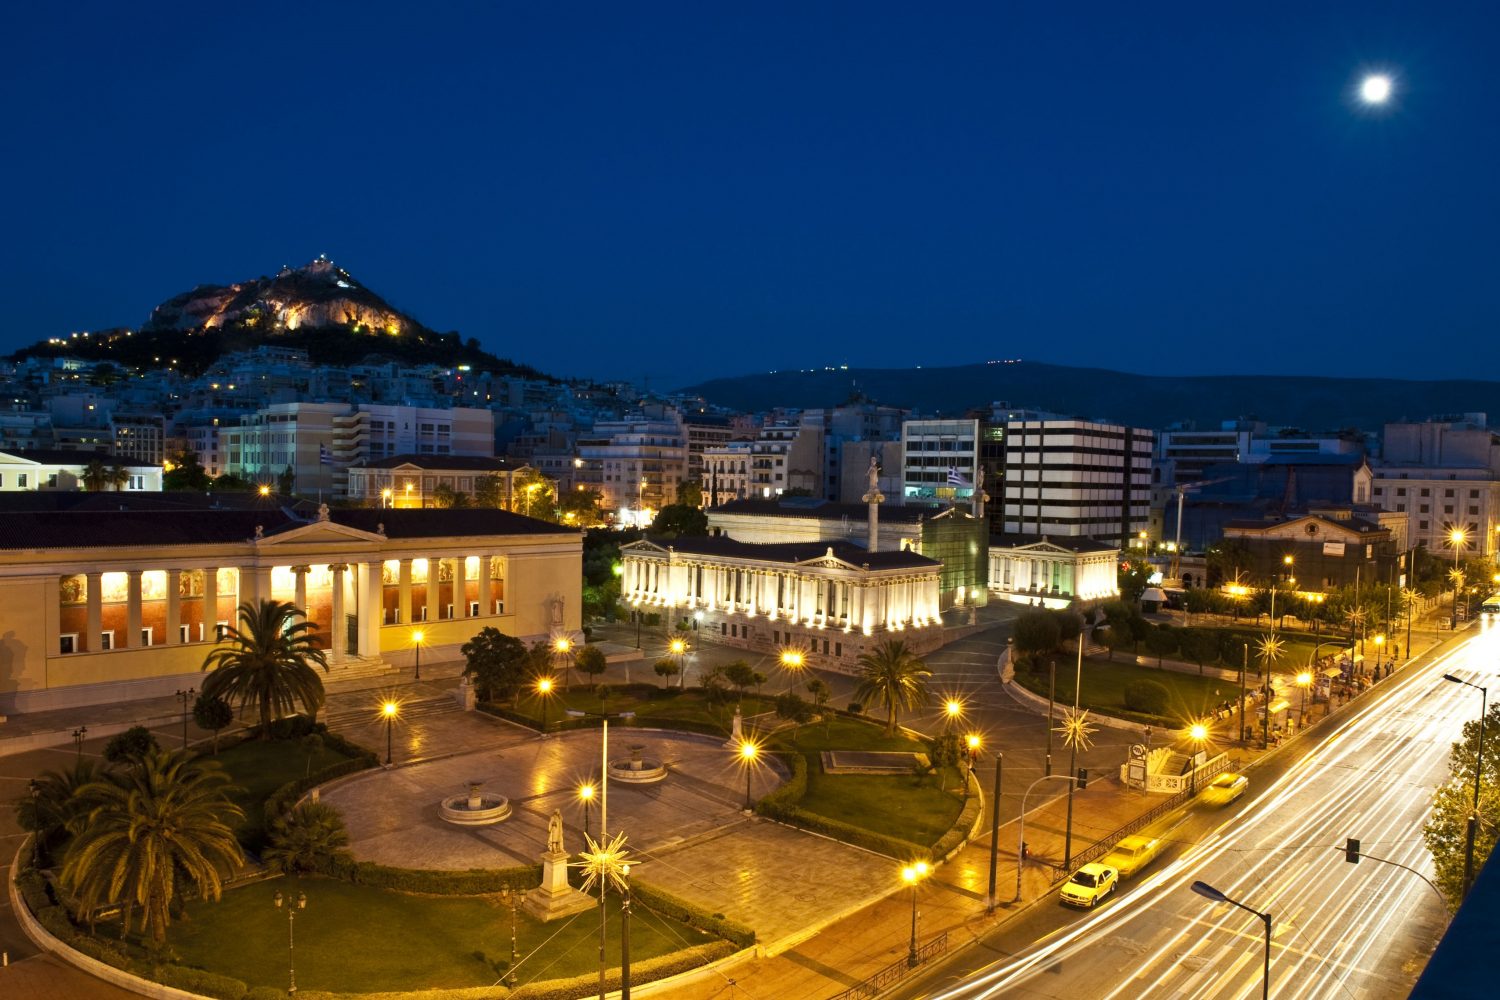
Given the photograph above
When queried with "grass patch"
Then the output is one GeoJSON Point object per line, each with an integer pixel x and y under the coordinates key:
{"type": "Point", "coordinates": [1190, 696]}
{"type": "Point", "coordinates": [260, 767]}
{"type": "Point", "coordinates": [919, 811]}
{"type": "Point", "coordinates": [354, 938]}
{"type": "Point", "coordinates": [653, 706]}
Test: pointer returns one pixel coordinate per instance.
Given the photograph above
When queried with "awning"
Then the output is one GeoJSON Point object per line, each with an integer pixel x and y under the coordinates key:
{"type": "Point", "coordinates": [1155, 594]}
{"type": "Point", "coordinates": [1332, 672]}
{"type": "Point", "coordinates": [1280, 705]}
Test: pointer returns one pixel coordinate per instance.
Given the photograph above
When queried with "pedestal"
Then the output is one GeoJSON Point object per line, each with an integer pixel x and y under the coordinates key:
{"type": "Point", "coordinates": [555, 898]}
{"type": "Point", "coordinates": [737, 735]}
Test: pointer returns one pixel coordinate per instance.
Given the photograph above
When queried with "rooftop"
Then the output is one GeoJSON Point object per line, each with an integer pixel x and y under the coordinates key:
{"type": "Point", "coordinates": [823, 510]}
{"type": "Point", "coordinates": [795, 552]}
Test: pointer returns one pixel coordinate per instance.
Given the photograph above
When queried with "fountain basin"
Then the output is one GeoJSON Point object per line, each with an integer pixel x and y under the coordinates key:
{"type": "Point", "coordinates": [638, 768]}
{"type": "Point", "coordinates": [474, 808]}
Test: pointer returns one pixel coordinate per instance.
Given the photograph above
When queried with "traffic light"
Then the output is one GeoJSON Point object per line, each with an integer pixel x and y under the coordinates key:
{"type": "Point", "coordinates": [1351, 851]}
{"type": "Point", "coordinates": [1083, 778]}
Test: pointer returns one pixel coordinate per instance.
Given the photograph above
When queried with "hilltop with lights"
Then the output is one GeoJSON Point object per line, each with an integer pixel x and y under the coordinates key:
{"type": "Point", "coordinates": [319, 308]}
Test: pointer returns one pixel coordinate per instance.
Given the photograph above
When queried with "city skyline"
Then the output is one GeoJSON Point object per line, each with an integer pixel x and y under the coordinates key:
{"type": "Point", "coordinates": [608, 197]}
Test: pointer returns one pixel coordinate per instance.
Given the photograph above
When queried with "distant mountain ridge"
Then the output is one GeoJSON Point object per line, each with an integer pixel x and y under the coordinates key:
{"type": "Point", "coordinates": [319, 308]}
{"type": "Point", "coordinates": [1314, 402]}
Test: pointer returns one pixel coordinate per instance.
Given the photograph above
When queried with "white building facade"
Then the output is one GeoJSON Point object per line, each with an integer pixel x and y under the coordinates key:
{"type": "Point", "coordinates": [1066, 477]}
{"type": "Point", "coordinates": [1056, 573]}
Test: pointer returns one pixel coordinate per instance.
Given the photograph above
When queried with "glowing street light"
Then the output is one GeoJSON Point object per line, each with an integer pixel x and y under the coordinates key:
{"type": "Point", "coordinates": [953, 710]}
{"type": "Point", "coordinates": [389, 710]}
{"type": "Point", "coordinates": [974, 742]}
{"type": "Point", "coordinates": [1375, 89]}
{"type": "Point", "coordinates": [563, 647]}
{"type": "Point", "coordinates": [749, 752]}
{"type": "Point", "coordinates": [1197, 734]}
{"type": "Point", "coordinates": [1304, 681]}
{"type": "Point", "coordinates": [911, 875]}
{"type": "Point", "coordinates": [792, 661]}
{"type": "Point", "coordinates": [385, 497]}
{"type": "Point", "coordinates": [586, 796]}
{"type": "Point", "coordinates": [544, 687]}
{"type": "Point", "coordinates": [264, 490]}
{"type": "Point", "coordinates": [1456, 539]}
{"type": "Point", "coordinates": [1209, 892]}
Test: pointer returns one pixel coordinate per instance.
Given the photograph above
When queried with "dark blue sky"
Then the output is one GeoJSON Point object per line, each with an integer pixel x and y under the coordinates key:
{"type": "Point", "coordinates": [620, 189]}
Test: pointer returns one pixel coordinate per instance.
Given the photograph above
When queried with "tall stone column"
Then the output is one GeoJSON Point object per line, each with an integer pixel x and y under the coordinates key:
{"type": "Point", "coordinates": [434, 588]}
{"type": "Point", "coordinates": [486, 567]}
{"type": "Point", "coordinates": [132, 609]}
{"type": "Point", "coordinates": [369, 581]}
{"type": "Point", "coordinates": [92, 641]}
{"type": "Point", "coordinates": [210, 611]}
{"type": "Point", "coordinates": [461, 586]}
{"type": "Point", "coordinates": [174, 607]}
{"type": "Point", "coordinates": [299, 590]}
{"type": "Point", "coordinates": [339, 630]}
{"type": "Point", "coordinates": [403, 592]}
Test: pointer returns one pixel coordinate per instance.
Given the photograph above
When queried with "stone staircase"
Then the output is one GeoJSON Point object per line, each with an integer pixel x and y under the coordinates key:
{"type": "Point", "coordinates": [357, 668]}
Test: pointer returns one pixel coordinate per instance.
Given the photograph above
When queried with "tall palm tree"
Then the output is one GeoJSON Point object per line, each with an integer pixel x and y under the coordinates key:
{"type": "Point", "coordinates": [95, 475]}
{"type": "Point", "coordinates": [119, 476]}
{"type": "Point", "coordinates": [894, 676]}
{"type": "Point", "coordinates": [141, 833]}
{"type": "Point", "coordinates": [50, 803]}
{"type": "Point", "coordinates": [268, 660]}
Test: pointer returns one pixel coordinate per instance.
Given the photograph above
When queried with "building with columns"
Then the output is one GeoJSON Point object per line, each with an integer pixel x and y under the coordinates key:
{"type": "Point", "coordinates": [831, 600]}
{"type": "Point", "coordinates": [1055, 571]}
{"type": "Point", "coordinates": [107, 602]}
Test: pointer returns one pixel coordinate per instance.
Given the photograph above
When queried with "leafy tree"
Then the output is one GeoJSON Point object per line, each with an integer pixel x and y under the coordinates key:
{"type": "Point", "coordinates": [689, 493]}
{"type": "Point", "coordinates": [1200, 602]}
{"type": "Point", "coordinates": [534, 495]}
{"type": "Point", "coordinates": [894, 676]}
{"type": "Point", "coordinates": [212, 714]}
{"type": "Point", "coordinates": [489, 491]}
{"type": "Point", "coordinates": [267, 659]}
{"type": "Point", "coordinates": [231, 483]}
{"type": "Point", "coordinates": [583, 506]}
{"type": "Point", "coordinates": [1198, 646]}
{"type": "Point", "coordinates": [667, 668]}
{"type": "Point", "coordinates": [1453, 801]}
{"type": "Point", "coordinates": [679, 519]}
{"type": "Point", "coordinates": [742, 676]}
{"type": "Point", "coordinates": [716, 686]}
{"type": "Point", "coordinates": [119, 476]}
{"type": "Point", "coordinates": [592, 661]}
{"type": "Point", "coordinates": [1113, 637]}
{"type": "Point", "coordinates": [143, 833]}
{"type": "Point", "coordinates": [496, 663]}
{"type": "Point", "coordinates": [820, 692]}
{"type": "Point", "coordinates": [1161, 642]}
{"type": "Point", "coordinates": [1149, 697]}
{"type": "Point", "coordinates": [48, 813]}
{"type": "Point", "coordinates": [186, 473]}
{"type": "Point", "coordinates": [1227, 560]}
{"type": "Point", "coordinates": [1132, 578]}
{"type": "Point", "coordinates": [445, 496]}
{"type": "Point", "coordinates": [286, 483]}
{"type": "Point", "coordinates": [791, 707]}
{"type": "Point", "coordinates": [1036, 632]}
{"type": "Point", "coordinates": [307, 839]}
{"type": "Point", "coordinates": [130, 746]}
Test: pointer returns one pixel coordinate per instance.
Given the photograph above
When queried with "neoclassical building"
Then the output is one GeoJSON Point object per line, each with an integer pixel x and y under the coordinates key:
{"type": "Point", "coordinates": [1055, 571]}
{"type": "Point", "coordinates": [830, 600]}
{"type": "Point", "coordinates": [109, 600]}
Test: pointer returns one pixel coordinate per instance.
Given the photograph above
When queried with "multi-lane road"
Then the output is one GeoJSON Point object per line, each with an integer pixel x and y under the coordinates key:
{"type": "Point", "coordinates": [1338, 929]}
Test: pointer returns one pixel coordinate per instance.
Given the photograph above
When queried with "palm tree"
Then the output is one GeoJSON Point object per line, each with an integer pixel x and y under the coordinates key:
{"type": "Point", "coordinates": [119, 476]}
{"type": "Point", "coordinates": [94, 476]}
{"type": "Point", "coordinates": [894, 676]}
{"type": "Point", "coordinates": [46, 812]}
{"type": "Point", "coordinates": [306, 838]}
{"type": "Point", "coordinates": [140, 833]}
{"type": "Point", "coordinates": [268, 660]}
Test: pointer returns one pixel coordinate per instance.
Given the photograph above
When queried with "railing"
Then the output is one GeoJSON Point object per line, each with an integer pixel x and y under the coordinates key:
{"type": "Point", "coordinates": [894, 973]}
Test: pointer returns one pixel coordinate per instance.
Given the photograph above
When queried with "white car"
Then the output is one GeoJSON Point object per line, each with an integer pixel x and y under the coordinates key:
{"type": "Point", "coordinates": [1089, 885]}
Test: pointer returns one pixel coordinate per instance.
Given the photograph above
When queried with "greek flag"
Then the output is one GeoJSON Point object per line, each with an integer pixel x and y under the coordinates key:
{"type": "Point", "coordinates": [325, 457]}
{"type": "Point", "coordinates": [954, 479]}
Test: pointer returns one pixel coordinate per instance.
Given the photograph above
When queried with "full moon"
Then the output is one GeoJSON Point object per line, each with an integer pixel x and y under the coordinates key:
{"type": "Point", "coordinates": [1375, 89]}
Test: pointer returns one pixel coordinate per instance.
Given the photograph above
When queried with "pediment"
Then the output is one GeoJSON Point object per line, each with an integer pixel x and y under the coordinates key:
{"type": "Point", "coordinates": [641, 546]}
{"type": "Point", "coordinates": [324, 532]}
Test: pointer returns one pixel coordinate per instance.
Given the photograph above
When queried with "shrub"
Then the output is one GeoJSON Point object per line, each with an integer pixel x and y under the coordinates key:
{"type": "Point", "coordinates": [960, 829]}
{"type": "Point", "coordinates": [129, 746]}
{"type": "Point", "coordinates": [212, 713]}
{"type": "Point", "coordinates": [1161, 642]}
{"type": "Point", "coordinates": [307, 837]}
{"type": "Point", "coordinates": [693, 915]}
{"type": "Point", "coordinates": [472, 882]}
{"type": "Point", "coordinates": [1146, 696]}
{"type": "Point", "coordinates": [200, 981]}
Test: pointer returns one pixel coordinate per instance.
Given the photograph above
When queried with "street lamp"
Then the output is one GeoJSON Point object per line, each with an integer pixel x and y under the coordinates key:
{"type": "Point", "coordinates": [1379, 653]}
{"type": "Point", "coordinates": [679, 648]}
{"type": "Point", "coordinates": [264, 490]}
{"type": "Point", "coordinates": [1375, 89]}
{"type": "Point", "coordinates": [1456, 539]}
{"type": "Point", "coordinates": [973, 741]}
{"type": "Point", "coordinates": [563, 647]}
{"type": "Point", "coordinates": [385, 497]}
{"type": "Point", "coordinates": [748, 754]}
{"type": "Point", "coordinates": [416, 642]}
{"type": "Point", "coordinates": [586, 796]}
{"type": "Point", "coordinates": [184, 697]}
{"type": "Point", "coordinates": [1198, 734]}
{"type": "Point", "coordinates": [792, 661]}
{"type": "Point", "coordinates": [291, 906]}
{"type": "Point", "coordinates": [953, 710]}
{"type": "Point", "coordinates": [78, 735]}
{"type": "Point", "coordinates": [1209, 892]}
{"type": "Point", "coordinates": [543, 691]}
{"type": "Point", "coordinates": [911, 875]}
{"type": "Point", "coordinates": [1473, 823]}
{"type": "Point", "coordinates": [389, 710]}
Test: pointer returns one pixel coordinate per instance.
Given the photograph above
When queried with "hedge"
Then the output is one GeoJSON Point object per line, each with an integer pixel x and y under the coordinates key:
{"type": "Point", "coordinates": [192, 980]}
{"type": "Point", "coordinates": [959, 832]}
{"type": "Point", "coordinates": [693, 915]}
{"type": "Point", "coordinates": [282, 800]}
{"type": "Point", "coordinates": [661, 967]}
{"type": "Point", "coordinates": [788, 794]}
{"type": "Point", "coordinates": [473, 882]}
{"type": "Point", "coordinates": [570, 723]}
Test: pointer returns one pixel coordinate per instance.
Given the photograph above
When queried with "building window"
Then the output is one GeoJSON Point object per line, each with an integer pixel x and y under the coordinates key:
{"type": "Point", "coordinates": [21, 479]}
{"type": "Point", "coordinates": [107, 639]}
{"type": "Point", "coordinates": [146, 636]}
{"type": "Point", "coordinates": [67, 643]}
{"type": "Point", "coordinates": [1447, 493]}
{"type": "Point", "coordinates": [1401, 491]}
{"type": "Point", "coordinates": [1422, 509]}
{"type": "Point", "coordinates": [1426, 492]}
{"type": "Point", "coordinates": [1422, 525]}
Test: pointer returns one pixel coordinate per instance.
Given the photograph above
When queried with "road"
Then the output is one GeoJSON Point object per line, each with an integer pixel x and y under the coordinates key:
{"type": "Point", "coordinates": [1339, 930]}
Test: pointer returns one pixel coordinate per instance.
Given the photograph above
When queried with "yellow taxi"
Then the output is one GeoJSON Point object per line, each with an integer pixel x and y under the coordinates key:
{"type": "Point", "coordinates": [1132, 854]}
{"type": "Point", "coordinates": [1225, 789]}
{"type": "Point", "coordinates": [1089, 885]}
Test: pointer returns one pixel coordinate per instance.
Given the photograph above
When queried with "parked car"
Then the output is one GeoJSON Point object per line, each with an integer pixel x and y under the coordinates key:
{"type": "Point", "coordinates": [1225, 789]}
{"type": "Point", "coordinates": [1089, 885]}
{"type": "Point", "coordinates": [1132, 854]}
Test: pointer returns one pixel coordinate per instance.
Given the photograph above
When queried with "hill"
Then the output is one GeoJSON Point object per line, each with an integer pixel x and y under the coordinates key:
{"type": "Point", "coordinates": [319, 308]}
{"type": "Point", "coordinates": [1310, 401]}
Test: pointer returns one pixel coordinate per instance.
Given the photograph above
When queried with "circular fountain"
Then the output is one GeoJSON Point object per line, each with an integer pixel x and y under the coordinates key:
{"type": "Point", "coordinates": [637, 769]}
{"type": "Point", "coordinates": [475, 808]}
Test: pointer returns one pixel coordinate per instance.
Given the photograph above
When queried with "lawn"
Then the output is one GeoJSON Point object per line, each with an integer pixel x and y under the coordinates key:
{"type": "Point", "coordinates": [1189, 696]}
{"type": "Point", "coordinates": [1298, 647]}
{"type": "Point", "coordinates": [261, 767]}
{"type": "Point", "coordinates": [354, 938]}
{"type": "Point", "coordinates": [652, 706]}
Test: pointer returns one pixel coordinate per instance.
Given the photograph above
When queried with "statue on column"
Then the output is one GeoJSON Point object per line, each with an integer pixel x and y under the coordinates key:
{"type": "Point", "coordinates": [555, 833]}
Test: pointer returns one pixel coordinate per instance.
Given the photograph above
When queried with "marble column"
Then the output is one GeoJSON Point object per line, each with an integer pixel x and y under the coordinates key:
{"type": "Point", "coordinates": [299, 590]}
{"type": "Point", "coordinates": [434, 588]}
{"type": "Point", "coordinates": [91, 641]}
{"type": "Point", "coordinates": [461, 586]}
{"type": "Point", "coordinates": [210, 612]}
{"type": "Point", "coordinates": [403, 592]}
{"type": "Point", "coordinates": [486, 567]}
{"type": "Point", "coordinates": [132, 609]}
{"type": "Point", "coordinates": [174, 607]}
{"type": "Point", "coordinates": [337, 627]}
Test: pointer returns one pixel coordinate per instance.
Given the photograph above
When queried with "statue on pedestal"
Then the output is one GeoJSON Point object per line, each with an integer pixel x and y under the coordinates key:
{"type": "Point", "coordinates": [555, 833]}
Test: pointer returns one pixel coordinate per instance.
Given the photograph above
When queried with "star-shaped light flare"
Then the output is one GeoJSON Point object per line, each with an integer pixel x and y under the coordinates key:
{"type": "Point", "coordinates": [1076, 729]}
{"type": "Point", "coordinates": [604, 862]}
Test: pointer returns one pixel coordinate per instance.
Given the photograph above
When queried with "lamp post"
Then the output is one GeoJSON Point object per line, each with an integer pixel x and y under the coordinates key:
{"type": "Point", "coordinates": [36, 835]}
{"type": "Point", "coordinates": [78, 735]}
{"type": "Point", "coordinates": [995, 832]}
{"type": "Point", "coordinates": [1197, 733]}
{"type": "Point", "coordinates": [973, 742]}
{"type": "Point", "coordinates": [679, 648]}
{"type": "Point", "coordinates": [1456, 539]}
{"type": "Point", "coordinates": [1379, 654]}
{"type": "Point", "coordinates": [586, 796]}
{"type": "Point", "coordinates": [544, 691]}
{"type": "Point", "coordinates": [563, 647]}
{"type": "Point", "coordinates": [748, 754]}
{"type": "Point", "coordinates": [292, 906]}
{"type": "Point", "coordinates": [184, 697]}
{"type": "Point", "coordinates": [385, 497]}
{"type": "Point", "coordinates": [624, 932]}
{"type": "Point", "coordinates": [1071, 779]}
{"type": "Point", "coordinates": [792, 661]}
{"type": "Point", "coordinates": [1209, 892]}
{"type": "Point", "coordinates": [389, 710]}
{"type": "Point", "coordinates": [911, 875]}
{"type": "Point", "coordinates": [1470, 828]}
{"type": "Point", "coordinates": [953, 710]}
{"type": "Point", "coordinates": [416, 642]}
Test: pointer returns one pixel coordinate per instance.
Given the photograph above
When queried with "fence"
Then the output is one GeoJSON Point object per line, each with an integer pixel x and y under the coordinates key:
{"type": "Point", "coordinates": [894, 973]}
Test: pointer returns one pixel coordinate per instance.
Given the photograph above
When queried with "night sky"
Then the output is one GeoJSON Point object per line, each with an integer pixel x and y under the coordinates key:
{"type": "Point", "coordinates": [620, 190]}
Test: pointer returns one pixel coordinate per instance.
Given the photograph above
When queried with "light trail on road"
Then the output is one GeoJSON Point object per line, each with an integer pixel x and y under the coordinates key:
{"type": "Point", "coordinates": [1339, 930]}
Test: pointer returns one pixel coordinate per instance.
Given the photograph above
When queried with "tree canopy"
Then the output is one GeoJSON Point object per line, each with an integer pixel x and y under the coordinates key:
{"type": "Point", "coordinates": [267, 660]}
